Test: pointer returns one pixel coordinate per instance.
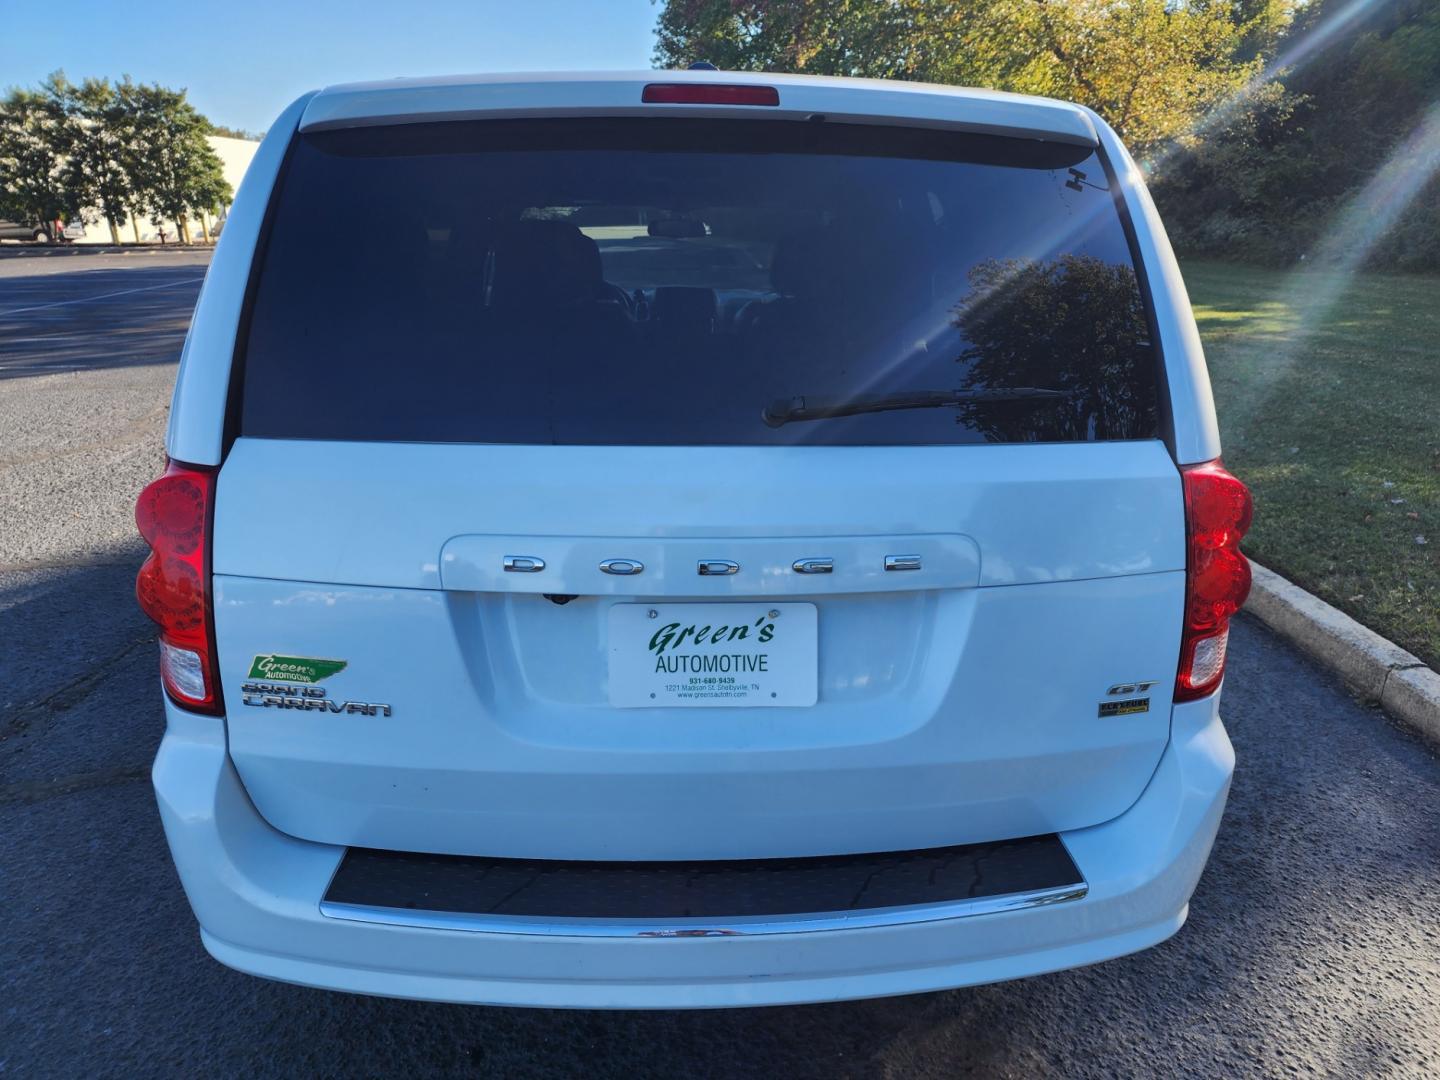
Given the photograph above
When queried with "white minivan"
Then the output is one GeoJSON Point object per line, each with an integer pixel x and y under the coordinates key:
{"type": "Point", "coordinates": [689, 539]}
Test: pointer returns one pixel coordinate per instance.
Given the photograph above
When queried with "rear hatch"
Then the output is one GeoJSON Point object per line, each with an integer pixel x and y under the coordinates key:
{"type": "Point", "coordinates": [677, 489]}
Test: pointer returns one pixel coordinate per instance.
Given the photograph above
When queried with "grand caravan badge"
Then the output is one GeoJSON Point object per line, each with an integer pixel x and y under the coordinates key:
{"type": "Point", "coordinates": [261, 695]}
{"type": "Point", "coordinates": [272, 685]}
{"type": "Point", "coordinates": [298, 669]}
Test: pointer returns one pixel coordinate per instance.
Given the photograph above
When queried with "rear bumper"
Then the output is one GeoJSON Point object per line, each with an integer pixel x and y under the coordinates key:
{"type": "Point", "coordinates": [257, 894]}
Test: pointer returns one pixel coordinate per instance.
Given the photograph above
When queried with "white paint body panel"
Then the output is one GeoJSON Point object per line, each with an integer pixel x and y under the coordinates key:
{"type": "Point", "coordinates": [256, 894]}
{"type": "Point", "coordinates": [384, 514]}
{"type": "Point", "coordinates": [618, 93]}
{"type": "Point", "coordinates": [957, 702]}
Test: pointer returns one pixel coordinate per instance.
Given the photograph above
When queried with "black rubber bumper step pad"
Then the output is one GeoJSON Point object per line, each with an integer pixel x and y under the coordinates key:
{"type": "Point", "coordinates": [708, 889]}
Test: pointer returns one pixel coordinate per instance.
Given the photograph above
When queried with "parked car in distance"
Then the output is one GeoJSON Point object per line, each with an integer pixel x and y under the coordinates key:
{"type": "Point", "coordinates": [710, 539]}
{"type": "Point", "coordinates": [15, 230]}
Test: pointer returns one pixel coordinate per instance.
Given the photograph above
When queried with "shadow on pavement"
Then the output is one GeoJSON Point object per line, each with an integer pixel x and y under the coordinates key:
{"type": "Point", "coordinates": [78, 676]}
{"type": "Point", "coordinates": [70, 322]}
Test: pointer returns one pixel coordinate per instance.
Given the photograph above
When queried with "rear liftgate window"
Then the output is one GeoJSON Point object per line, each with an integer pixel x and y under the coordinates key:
{"type": "Point", "coordinates": [674, 282]}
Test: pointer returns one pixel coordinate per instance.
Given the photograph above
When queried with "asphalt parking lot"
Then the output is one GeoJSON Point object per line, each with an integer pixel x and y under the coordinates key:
{"type": "Point", "coordinates": [1313, 946]}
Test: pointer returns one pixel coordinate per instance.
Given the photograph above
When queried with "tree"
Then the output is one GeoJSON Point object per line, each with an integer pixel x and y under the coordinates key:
{"type": "Point", "coordinates": [210, 189]}
{"type": "Point", "coordinates": [1270, 176]}
{"type": "Point", "coordinates": [97, 147]}
{"type": "Point", "coordinates": [921, 40]}
{"type": "Point", "coordinates": [175, 168]}
{"type": "Point", "coordinates": [128, 102]}
{"type": "Point", "coordinates": [1152, 68]}
{"type": "Point", "coordinates": [864, 38]}
{"type": "Point", "coordinates": [32, 159]}
{"type": "Point", "coordinates": [120, 149]}
{"type": "Point", "coordinates": [1021, 315]}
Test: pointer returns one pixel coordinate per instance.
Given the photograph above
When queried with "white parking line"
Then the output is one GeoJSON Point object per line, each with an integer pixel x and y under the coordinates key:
{"type": "Point", "coordinates": [102, 296]}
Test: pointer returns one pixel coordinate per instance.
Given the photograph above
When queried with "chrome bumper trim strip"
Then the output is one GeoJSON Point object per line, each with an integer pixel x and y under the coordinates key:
{"type": "Point", "coordinates": [745, 926]}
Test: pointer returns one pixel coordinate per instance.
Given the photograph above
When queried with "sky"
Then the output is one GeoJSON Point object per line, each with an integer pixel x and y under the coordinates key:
{"type": "Point", "coordinates": [243, 61]}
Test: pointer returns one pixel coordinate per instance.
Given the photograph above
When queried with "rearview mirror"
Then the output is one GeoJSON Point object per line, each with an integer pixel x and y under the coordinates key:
{"type": "Point", "coordinates": [677, 228]}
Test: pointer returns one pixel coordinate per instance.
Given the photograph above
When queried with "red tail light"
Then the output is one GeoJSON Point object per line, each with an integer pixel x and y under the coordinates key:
{"type": "Point", "coordinates": [1217, 515]}
{"type": "Point", "coordinates": [173, 586]}
{"type": "Point", "coordinates": [709, 94]}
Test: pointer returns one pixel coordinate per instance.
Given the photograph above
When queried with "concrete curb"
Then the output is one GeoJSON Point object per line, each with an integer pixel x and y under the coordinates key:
{"type": "Point", "coordinates": [1378, 669]}
{"type": "Point", "coordinates": [65, 251]}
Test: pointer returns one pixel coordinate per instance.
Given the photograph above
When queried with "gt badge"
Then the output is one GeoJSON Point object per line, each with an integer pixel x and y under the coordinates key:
{"type": "Point", "coordinates": [1130, 688]}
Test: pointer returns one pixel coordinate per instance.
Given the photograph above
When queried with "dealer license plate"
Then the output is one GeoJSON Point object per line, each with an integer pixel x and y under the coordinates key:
{"type": "Point", "coordinates": [713, 654]}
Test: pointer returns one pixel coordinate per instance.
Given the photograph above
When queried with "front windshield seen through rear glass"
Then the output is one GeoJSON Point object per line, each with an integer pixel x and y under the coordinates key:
{"type": "Point", "coordinates": [669, 281]}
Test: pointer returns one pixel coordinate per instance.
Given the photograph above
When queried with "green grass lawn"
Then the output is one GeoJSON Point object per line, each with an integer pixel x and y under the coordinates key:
{"type": "Point", "coordinates": [1328, 390]}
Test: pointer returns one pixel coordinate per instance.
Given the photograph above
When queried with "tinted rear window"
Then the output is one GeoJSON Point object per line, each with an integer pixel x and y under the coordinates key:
{"type": "Point", "coordinates": [680, 282]}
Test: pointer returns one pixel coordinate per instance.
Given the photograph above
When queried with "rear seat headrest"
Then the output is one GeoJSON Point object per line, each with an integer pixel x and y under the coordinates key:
{"type": "Point", "coordinates": [544, 263]}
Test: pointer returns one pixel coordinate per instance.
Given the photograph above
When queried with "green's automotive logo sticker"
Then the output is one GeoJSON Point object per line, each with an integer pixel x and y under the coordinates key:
{"type": "Point", "coordinates": [301, 669]}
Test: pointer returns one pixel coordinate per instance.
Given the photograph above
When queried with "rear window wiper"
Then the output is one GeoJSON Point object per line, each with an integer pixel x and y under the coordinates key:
{"type": "Point", "coordinates": [786, 410]}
